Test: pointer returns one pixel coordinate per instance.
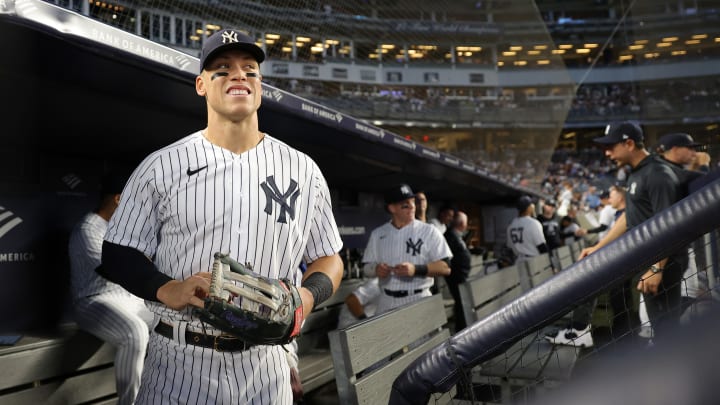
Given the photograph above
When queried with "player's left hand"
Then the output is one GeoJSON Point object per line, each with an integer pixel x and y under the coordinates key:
{"type": "Point", "coordinates": [405, 269]}
{"type": "Point", "coordinates": [649, 283]}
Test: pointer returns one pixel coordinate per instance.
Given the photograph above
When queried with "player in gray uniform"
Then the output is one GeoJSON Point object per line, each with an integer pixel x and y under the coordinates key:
{"type": "Point", "coordinates": [525, 234]}
{"type": "Point", "coordinates": [104, 308]}
{"type": "Point", "coordinates": [227, 188]}
{"type": "Point", "coordinates": [405, 254]}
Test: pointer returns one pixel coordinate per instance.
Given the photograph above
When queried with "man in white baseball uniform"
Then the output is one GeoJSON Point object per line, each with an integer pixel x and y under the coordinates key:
{"type": "Point", "coordinates": [405, 254]}
{"type": "Point", "coordinates": [525, 234]}
{"type": "Point", "coordinates": [101, 307]}
{"type": "Point", "coordinates": [227, 188]}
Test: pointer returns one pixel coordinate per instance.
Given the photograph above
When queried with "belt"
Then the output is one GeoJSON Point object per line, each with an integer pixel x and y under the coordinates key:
{"type": "Point", "coordinates": [402, 293]}
{"type": "Point", "coordinates": [219, 343]}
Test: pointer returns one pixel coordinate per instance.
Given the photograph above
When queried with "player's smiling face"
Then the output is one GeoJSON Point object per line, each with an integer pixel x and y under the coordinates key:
{"type": "Point", "coordinates": [403, 212]}
{"type": "Point", "coordinates": [231, 83]}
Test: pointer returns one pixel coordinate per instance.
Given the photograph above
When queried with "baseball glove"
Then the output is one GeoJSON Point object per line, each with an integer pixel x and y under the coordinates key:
{"type": "Point", "coordinates": [259, 310]}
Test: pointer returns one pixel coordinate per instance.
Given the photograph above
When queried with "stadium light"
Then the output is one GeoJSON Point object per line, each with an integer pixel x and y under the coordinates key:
{"type": "Point", "coordinates": [692, 42]}
{"type": "Point", "coordinates": [509, 53]}
{"type": "Point", "coordinates": [670, 39]}
{"type": "Point", "coordinates": [387, 46]}
{"type": "Point", "coordinates": [699, 36]}
{"type": "Point", "coordinates": [269, 41]}
{"type": "Point", "coordinates": [582, 50]}
{"type": "Point", "coordinates": [558, 51]}
{"type": "Point", "coordinates": [501, 63]}
{"type": "Point", "coordinates": [641, 41]}
{"type": "Point", "coordinates": [543, 62]}
{"type": "Point", "coordinates": [591, 46]}
{"type": "Point", "coordinates": [516, 48]}
{"type": "Point", "coordinates": [520, 62]}
{"type": "Point", "coordinates": [540, 47]}
{"type": "Point", "coordinates": [663, 44]}
{"type": "Point", "coordinates": [286, 49]}
{"type": "Point", "coordinates": [213, 27]}
{"type": "Point", "coordinates": [625, 57]}
{"type": "Point", "coordinates": [636, 47]}
{"type": "Point", "coordinates": [332, 42]}
{"type": "Point", "coordinates": [565, 46]}
{"type": "Point", "coordinates": [303, 39]}
{"type": "Point", "coordinates": [717, 39]}
{"type": "Point", "coordinates": [676, 53]}
{"type": "Point", "coordinates": [272, 36]}
{"type": "Point", "coordinates": [532, 52]}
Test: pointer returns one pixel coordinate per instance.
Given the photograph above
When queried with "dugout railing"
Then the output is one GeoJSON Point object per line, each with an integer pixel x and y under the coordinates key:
{"type": "Point", "coordinates": [444, 366]}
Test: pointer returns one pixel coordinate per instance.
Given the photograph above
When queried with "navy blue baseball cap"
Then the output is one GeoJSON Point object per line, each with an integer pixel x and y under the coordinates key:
{"type": "Point", "coordinates": [668, 141]}
{"type": "Point", "coordinates": [229, 39]}
{"type": "Point", "coordinates": [398, 194]}
{"type": "Point", "coordinates": [523, 203]}
{"type": "Point", "coordinates": [620, 132]}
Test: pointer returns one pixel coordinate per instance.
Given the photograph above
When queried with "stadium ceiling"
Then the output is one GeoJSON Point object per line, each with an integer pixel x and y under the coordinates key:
{"type": "Point", "coordinates": [77, 98]}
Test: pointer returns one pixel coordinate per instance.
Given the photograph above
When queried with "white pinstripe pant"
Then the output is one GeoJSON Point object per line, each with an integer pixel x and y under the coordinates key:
{"type": "Point", "coordinates": [123, 320]}
{"type": "Point", "coordinates": [180, 373]}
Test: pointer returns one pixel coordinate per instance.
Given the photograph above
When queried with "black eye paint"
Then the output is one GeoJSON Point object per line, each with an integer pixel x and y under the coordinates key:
{"type": "Point", "coordinates": [218, 74]}
{"type": "Point", "coordinates": [251, 74]}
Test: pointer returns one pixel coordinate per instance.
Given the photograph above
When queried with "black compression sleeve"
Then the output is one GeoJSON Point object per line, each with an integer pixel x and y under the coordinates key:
{"type": "Point", "coordinates": [600, 228]}
{"type": "Point", "coordinates": [132, 270]}
{"type": "Point", "coordinates": [542, 248]}
{"type": "Point", "coordinates": [320, 286]}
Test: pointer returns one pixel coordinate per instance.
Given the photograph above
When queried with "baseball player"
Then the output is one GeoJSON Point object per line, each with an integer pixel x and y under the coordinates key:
{"type": "Point", "coordinates": [525, 233]}
{"type": "Point", "coordinates": [230, 189]}
{"type": "Point", "coordinates": [652, 187]}
{"type": "Point", "coordinates": [405, 254]}
{"type": "Point", "coordinates": [104, 308]}
{"type": "Point", "coordinates": [360, 304]}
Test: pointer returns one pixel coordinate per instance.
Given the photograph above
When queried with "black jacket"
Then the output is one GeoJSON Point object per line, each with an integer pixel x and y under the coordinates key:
{"type": "Point", "coordinates": [460, 262]}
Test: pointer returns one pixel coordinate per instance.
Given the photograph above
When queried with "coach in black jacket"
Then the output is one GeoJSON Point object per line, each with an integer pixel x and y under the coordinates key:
{"type": "Point", "coordinates": [459, 264]}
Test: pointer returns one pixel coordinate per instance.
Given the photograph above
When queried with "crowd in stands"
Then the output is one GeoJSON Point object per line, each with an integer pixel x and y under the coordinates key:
{"type": "Point", "coordinates": [595, 101]}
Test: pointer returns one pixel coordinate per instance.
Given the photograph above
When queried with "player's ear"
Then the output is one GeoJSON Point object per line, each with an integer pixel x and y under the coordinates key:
{"type": "Point", "coordinates": [200, 86]}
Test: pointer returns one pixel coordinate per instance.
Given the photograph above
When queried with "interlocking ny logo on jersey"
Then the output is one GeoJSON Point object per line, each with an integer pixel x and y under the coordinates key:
{"type": "Point", "coordinates": [286, 200]}
{"type": "Point", "coordinates": [229, 37]}
{"type": "Point", "coordinates": [413, 247]}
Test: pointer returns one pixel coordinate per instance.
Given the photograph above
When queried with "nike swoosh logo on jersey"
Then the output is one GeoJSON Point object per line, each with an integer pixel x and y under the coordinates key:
{"type": "Point", "coordinates": [190, 172]}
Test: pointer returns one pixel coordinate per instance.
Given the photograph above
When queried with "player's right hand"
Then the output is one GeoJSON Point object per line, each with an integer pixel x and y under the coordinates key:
{"type": "Point", "coordinates": [586, 252]}
{"type": "Point", "coordinates": [178, 294]}
{"type": "Point", "coordinates": [382, 270]}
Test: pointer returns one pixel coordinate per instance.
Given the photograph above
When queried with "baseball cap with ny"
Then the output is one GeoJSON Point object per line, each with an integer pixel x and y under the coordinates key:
{"type": "Point", "coordinates": [620, 132]}
{"type": "Point", "coordinates": [229, 39]}
{"type": "Point", "coordinates": [397, 194]}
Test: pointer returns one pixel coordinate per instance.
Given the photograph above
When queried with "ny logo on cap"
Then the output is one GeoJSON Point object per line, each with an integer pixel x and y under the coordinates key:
{"type": "Point", "coordinates": [405, 190]}
{"type": "Point", "coordinates": [229, 37]}
{"type": "Point", "coordinates": [607, 129]}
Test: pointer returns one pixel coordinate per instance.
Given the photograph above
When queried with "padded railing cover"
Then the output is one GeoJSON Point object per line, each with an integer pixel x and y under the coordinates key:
{"type": "Point", "coordinates": [440, 369]}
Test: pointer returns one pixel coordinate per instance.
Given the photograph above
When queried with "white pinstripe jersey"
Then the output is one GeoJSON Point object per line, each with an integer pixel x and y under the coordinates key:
{"type": "Point", "coordinates": [416, 243]}
{"type": "Point", "coordinates": [84, 249]}
{"type": "Point", "coordinates": [524, 234]}
{"type": "Point", "coordinates": [269, 206]}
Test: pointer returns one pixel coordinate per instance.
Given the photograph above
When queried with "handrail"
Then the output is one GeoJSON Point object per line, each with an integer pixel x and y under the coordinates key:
{"type": "Point", "coordinates": [441, 368]}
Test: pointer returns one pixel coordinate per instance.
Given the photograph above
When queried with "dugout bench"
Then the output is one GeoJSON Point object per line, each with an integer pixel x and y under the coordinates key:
{"type": "Point", "coordinates": [71, 366]}
{"type": "Point", "coordinates": [315, 364]}
{"type": "Point", "coordinates": [370, 354]}
{"type": "Point", "coordinates": [68, 367]}
{"type": "Point", "coordinates": [532, 361]}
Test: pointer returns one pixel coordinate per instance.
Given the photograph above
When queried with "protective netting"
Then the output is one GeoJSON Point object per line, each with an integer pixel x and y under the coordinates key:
{"type": "Point", "coordinates": [612, 324]}
{"type": "Point", "coordinates": [497, 83]}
